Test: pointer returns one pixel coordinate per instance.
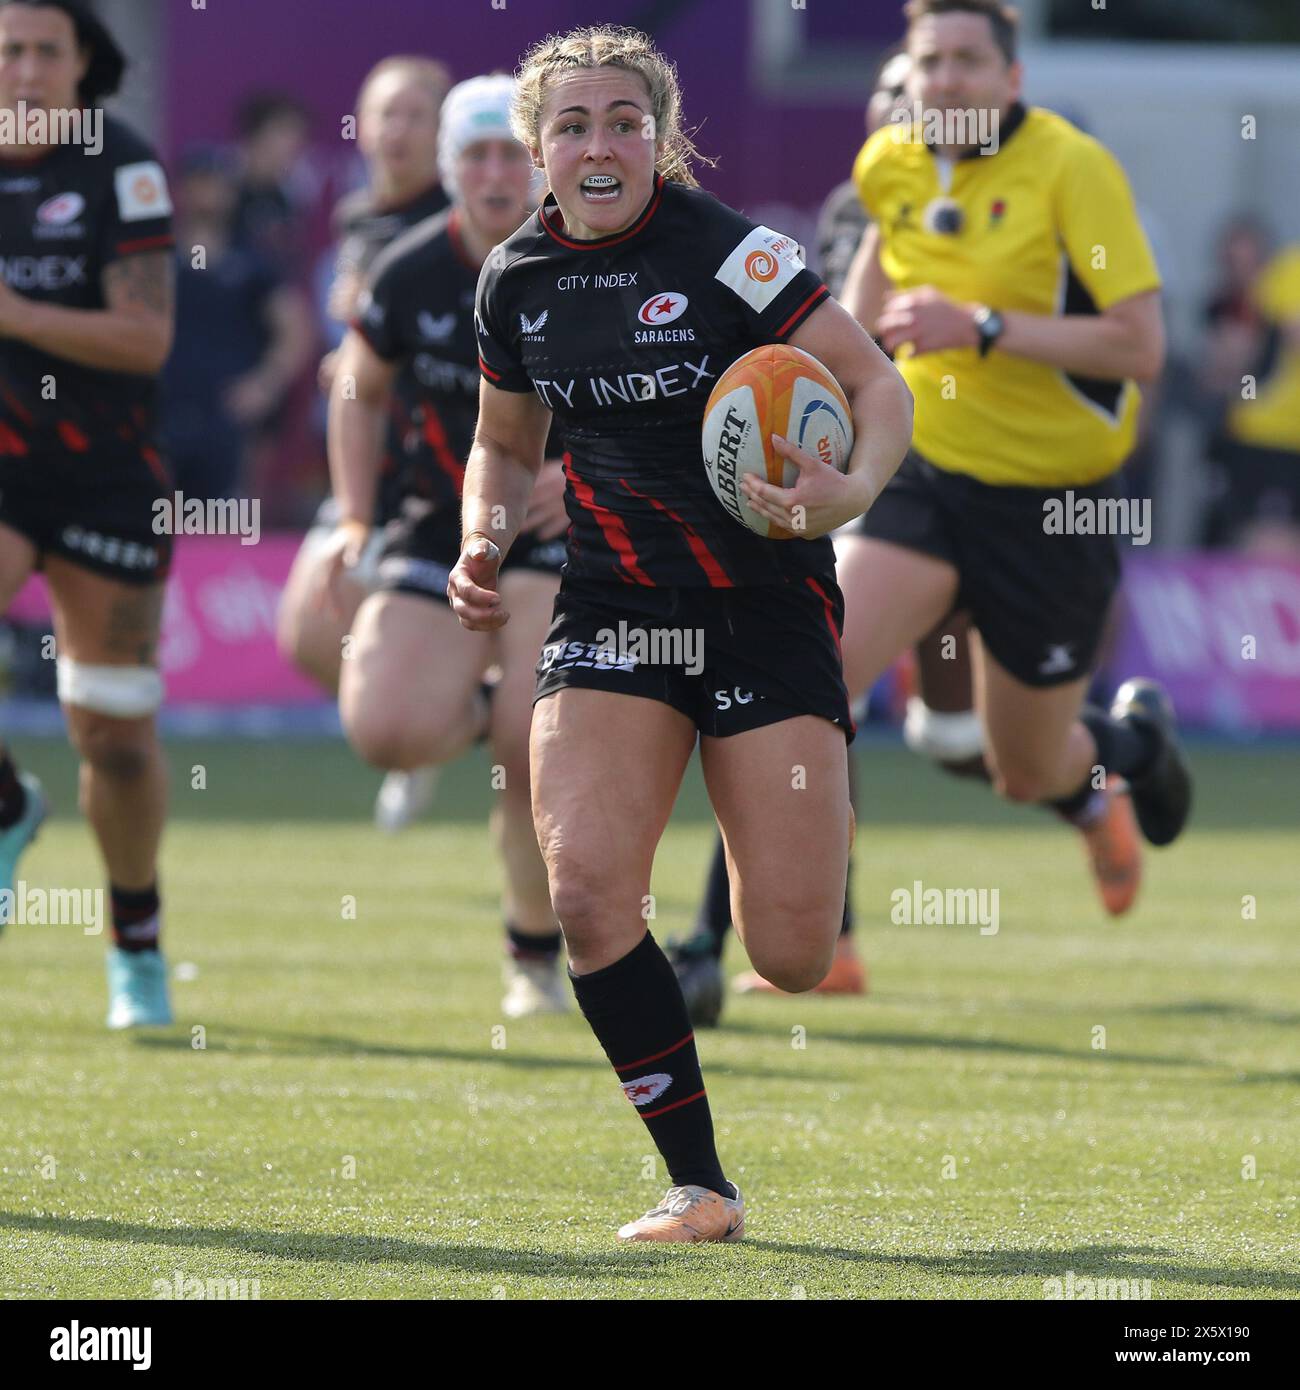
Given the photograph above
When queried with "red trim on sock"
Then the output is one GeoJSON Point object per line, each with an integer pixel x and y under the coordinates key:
{"type": "Point", "coordinates": [654, 1057]}
{"type": "Point", "coordinates": [677, 1104]}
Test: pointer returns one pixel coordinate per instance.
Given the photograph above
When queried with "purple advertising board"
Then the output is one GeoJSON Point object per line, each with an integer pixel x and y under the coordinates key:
{"type": "Point", "coordinates": [1222, 632]}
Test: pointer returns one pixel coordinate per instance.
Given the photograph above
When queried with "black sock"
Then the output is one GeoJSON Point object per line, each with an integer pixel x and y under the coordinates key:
{"type": "Point", "coordinates": [135, 918]}
{"type": "Point", "coordinates": [1121, 747]}
{"type": "Point", "coordinates": [715, 912]}
{"type": "Point", "coordinates": [13, 795]}
{"type": "Point", "coordinates": [1082, 808]}
{"type": "Point", "coordinates": [544, 948]}
{"type": "Point", "coordinates": [636, 1010]}
{"type": "Point", "coordinates": [846, 923]}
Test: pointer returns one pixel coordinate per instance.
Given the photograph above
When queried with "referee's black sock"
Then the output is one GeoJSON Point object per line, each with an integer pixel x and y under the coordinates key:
{"type": "Point", "coordinates": [1121, 747]}
{"type": "Point", "coordinates": [636, 1010]}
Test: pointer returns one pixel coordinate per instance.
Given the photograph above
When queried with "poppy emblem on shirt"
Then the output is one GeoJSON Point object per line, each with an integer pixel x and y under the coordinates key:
{"type": "Point", "coordinates": [60, 209]}
{"type": "Point", "coordinates": [662, 308]}
{"type": "Point", "coordinates": [997, 212]}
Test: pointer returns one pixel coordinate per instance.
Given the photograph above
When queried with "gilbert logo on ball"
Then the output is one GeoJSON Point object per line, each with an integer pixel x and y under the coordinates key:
{"type": "Point", "coordinates": [772, 390]}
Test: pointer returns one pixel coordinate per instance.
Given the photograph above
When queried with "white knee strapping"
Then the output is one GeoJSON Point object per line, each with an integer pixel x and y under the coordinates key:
{"type": "Point", "coordinates": [947, 738]}
{"type": "Point", "coordinates": [126, 692]}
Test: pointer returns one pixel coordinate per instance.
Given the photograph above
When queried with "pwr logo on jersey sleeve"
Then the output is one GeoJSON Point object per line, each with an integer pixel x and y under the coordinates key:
{"type": "Point", "coordinates": [761, 267]}
{"type": "Point", "coordinates": [141, 191]}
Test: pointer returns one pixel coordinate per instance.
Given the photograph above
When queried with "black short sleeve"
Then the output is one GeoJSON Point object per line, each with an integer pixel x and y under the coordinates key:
{"type": "Point", "coordinates": [498, 357]}
{"type": "Point", "coordinates": [138, 214]}
{"type": "Point", "coordinates": [379, 311]}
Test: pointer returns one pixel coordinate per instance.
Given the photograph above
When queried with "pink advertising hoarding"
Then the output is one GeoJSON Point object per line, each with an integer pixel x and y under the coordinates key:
{"type": "Point", "coordinates": [1221, 632]}
{"type": "Point", "coordinates": [218, 640]}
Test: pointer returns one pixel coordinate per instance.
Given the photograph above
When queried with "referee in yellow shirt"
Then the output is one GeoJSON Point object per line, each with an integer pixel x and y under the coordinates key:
{"type": "Point", "coordinates": [1007, 270]}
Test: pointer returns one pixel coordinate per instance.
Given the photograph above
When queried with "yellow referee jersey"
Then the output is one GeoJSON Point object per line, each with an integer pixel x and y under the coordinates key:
{"type": "Point", "coordinates": [1048, 226]}
{"type": "Point", "coordinates": [1273, 420]}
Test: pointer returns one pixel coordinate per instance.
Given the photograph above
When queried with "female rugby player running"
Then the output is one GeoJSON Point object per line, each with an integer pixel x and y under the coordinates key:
{"type": "Point", "coordinates": [397, 135]}
{"type": "Point", "coordinates": [616, 307]}
{"type": "Point", "coordinates": [410, 692]}
{"type": "Point", "coordinates": [86, 309]}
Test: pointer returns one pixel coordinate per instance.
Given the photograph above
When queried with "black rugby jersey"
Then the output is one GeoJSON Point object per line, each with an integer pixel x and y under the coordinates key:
{"type": "Point", "coordinates": [623, 338]}
{"type": "Point", "coordinates": [64, 217]}
{"type": "Point", "coordinates": [418, 310]}
{"type": "Point", "coordinates": [363, 229]}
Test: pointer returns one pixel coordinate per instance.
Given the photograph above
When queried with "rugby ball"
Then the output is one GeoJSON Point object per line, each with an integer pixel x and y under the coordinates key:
{"type": "Point", "coordinates": [772, 390]}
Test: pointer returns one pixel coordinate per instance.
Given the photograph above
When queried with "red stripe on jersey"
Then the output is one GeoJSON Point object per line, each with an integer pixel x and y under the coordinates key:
{"type": "Point", "coordinates": [487, 371]}
{"type": "Point", "coordinates": [829, 608]}
{"type": "Point", "coordinates": [14, 404]}
{"type": "Point", "coordinates": [72, 437]}
{"type": "Point", "coordinates": [706, 559]}
{"type": "Point", "coordinates": [600, 243]}
{"type": "Point", "coordinates": [612, 526]}
{"type": "Point", "coordinates": [11, 442]}
{"type": "Point", "coordinates": [150, 456]}
{"type": "Point", "coordinates": [435, 436]}
{"type": "Point", "coordinates": [145, 243]}
{"type": "Point", "coordinates": [803, 310]}
{"type": "Point", "coordinates": [654, 1056]}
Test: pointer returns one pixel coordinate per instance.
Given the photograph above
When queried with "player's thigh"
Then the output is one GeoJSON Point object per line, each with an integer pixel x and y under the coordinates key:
{"type": "Point", "coordinates": [605, 772]}
{"type": "Point", "coordinates": [307, 624]}
{"type": "Point", "coordinates": [1027, 727]}
{"type": "Point", "coordinates": [529, 598]}
{"type": "Point", "coordinates": [409, 659]}
{"type": "Point", "coordinates": [17, 560]}
{"type": "Point", "coordinates": [781, 795]}
{"type": "Point", "coordinates": [893, 596]}
{"type": "Point", "coordinates": [102, 621]}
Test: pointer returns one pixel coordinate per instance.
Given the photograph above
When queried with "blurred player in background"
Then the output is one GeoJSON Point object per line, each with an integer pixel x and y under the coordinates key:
{"type": "Point", "coordinates": [567, 315]}
{"type": "Point", "coordinates": [397, 133]}
{"type": "Point", "coordinates": [411, 692]}
{"type": "Point", "coordinates": [964, 265]}
{"type": "Point", "coordinates": [85, 327]}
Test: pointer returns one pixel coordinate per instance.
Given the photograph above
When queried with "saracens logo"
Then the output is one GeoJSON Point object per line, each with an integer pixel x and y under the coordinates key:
{"type": "Point", "coordinates": [647, 1088]}
{"type": "Point", "coordinates": [61, 208]}
{"type": "Point", "coordinates": [662, 308]}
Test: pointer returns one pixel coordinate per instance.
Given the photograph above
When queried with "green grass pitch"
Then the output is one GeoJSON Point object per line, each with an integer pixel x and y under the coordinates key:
{"type": "Point", "coordinates": [354, 1127]}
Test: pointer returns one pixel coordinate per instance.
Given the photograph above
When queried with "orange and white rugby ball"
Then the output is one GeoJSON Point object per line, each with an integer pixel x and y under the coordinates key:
{"type": "Point", "coordinates": [772, 390]}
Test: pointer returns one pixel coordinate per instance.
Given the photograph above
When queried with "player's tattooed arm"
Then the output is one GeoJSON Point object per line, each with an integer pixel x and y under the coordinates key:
{"type": "Point", "coordinates": [132, 333]}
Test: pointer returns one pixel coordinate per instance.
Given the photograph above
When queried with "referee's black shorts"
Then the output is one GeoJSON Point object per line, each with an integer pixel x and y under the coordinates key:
{"type": "Point", "coordinates": [729, 659]}
{"type": "Point", "coordinates": [1038, 599]}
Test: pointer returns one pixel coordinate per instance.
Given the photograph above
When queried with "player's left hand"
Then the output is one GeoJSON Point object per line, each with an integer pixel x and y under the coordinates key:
{"type": "Point", "coordinates": [928, 319]}
{"type": "Point", "coordinates": [546, 514]}
{"type": "Point", "coordinates": [821, 499]}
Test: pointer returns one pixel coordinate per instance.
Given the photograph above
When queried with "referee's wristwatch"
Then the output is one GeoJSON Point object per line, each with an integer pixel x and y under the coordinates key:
{"type": "Point", "coordinates": [989, 325]}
